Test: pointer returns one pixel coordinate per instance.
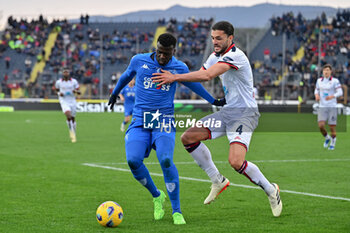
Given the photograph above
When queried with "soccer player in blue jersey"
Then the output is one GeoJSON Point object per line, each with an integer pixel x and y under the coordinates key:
{"type": "Point", "coordinates": [154, 104]}
{"type": "Point", "coordinates": [127, 95]}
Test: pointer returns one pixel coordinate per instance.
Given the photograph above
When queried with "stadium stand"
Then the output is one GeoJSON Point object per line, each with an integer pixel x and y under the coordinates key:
{"type": "Point", "coordinates": [302, 37]}
{"type": "Point", "coordinates": [80, 48]}
{"type": "Point", "coordinates": [33, 53]}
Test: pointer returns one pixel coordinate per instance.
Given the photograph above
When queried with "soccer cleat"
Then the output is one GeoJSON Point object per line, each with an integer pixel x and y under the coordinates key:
{"type": "Point", "coordinates": [122, 127]}
{"type": "Point", "coordinates": [71, 133]}
{"type": "Point", "coordinates": [216, 189]}
{"type": "Point", "coordinates": [332, 145]}
{"type": "Point", "coordinates": [326, 142]}
{"type": "Point", "coordinates": [158, 206]}
{"type": "Point", "coordinates": [73, 138]}
{"type": "Point", "coordinates": [275, 201]}
{"type": "Point", "coordinates": [178, 218]}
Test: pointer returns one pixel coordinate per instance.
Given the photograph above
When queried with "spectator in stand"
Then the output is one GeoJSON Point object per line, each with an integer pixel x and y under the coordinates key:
{"type": "Point", "coordinates": [82, 19]}
{"type": "Point", "coordinates": [87, 19]}
{"type": "Point", "coordinates": [267, 55]}
{"type": "Point", "coordinates": [7, 62]}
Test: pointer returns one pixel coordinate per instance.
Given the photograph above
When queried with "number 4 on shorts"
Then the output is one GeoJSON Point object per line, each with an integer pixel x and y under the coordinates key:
{"type": "Point", "coordinates": [239, 129]}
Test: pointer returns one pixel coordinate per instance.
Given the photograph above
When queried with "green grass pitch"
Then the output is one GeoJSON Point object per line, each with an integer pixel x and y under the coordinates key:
{"type": "Point", "coordinates": [44, 186]}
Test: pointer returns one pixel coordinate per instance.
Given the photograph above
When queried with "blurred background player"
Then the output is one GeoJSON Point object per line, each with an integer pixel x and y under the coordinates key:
{"type": "Point", "coordinates": [66, 88]}
{"type": "Point", "coordinates": [239, 116]}
{"type": "Point", "coordinates": [327, 90]}
{"type": "Point", "coordinates": [127, 95]}
{"type": "Point", "coordinates": [157, 101]}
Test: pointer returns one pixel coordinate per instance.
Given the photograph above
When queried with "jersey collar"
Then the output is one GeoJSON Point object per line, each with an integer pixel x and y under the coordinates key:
{"type": "Point", "coordinates": [330, 79]}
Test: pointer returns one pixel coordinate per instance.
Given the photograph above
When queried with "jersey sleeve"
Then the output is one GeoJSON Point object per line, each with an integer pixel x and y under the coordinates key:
{"type": "Point", "coordinates": [199, 90]}
{"type": "Point", "coordinates": [212, 59]}
{"type": "Point", "coordinates": [338, 89]}
{"type": "Point", "coordinates": [57, 84]}
{"type": "Point", "coordinates": [127, 76]}
{"type": "Point", "coordinates": [232, 59]}
{"type": "Point", "coordinates": [76, 84]}
{"type": "Point", "coordinates": [131, 70]}
{"type": "Point", "coordinates": [184, 69]}
{"type": "Point", "coordinates": [317, 89]}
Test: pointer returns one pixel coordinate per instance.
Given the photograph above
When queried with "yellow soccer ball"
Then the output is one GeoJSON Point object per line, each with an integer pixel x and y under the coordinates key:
{"type": "Point", "coordinates": [109, 214]}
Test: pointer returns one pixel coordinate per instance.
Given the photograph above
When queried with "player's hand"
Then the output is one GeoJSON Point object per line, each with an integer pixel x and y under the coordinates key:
{"type": "Point", "coordinates": [329, 97]}
{"type": "Point", "coordinates": [163, 78]}
{"type": "Point", "coordinates": [219, 102]}
{"type": "Point", "coordinates": [76, 92]}
{"type": "Point", "coordinates": [112, 100]}
{"type": "Point", "coordinates": [317, 97]}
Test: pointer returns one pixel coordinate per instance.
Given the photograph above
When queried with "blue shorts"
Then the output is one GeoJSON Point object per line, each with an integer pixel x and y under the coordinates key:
{"type": "Point", "coordinates": [127, 111]}
{"type": "Point", "coordinates": [136, 133]}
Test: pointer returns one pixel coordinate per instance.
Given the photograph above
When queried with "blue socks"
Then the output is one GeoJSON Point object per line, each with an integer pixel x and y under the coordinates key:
{"type": "Point", "coordinates": [171, 178]}
{"type": "Point", "coordinates": [142, 175]}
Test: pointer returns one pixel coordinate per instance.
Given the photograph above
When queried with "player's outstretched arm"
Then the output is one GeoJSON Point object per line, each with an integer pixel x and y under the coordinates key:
{"type": "Point", "coordinates": [124, 79]}
{"type": "Point", "coordinates": [202, 92]}
{"type": "Point", "coordinates": [197, 76]}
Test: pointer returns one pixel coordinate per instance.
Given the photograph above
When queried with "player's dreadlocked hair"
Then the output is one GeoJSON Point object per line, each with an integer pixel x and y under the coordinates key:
{"type": "Point", "coordinates": [167, 40]}
{"type": "Point", "coordinates": [224, 26]}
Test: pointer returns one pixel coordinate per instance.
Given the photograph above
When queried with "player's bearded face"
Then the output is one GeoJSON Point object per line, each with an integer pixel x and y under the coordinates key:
{"type": "Point", "coordinates": [65, 74]}
{"type": "Point", "coordinates": [164, 54]}
{"type": "Point", "coordinates": [221, 41]}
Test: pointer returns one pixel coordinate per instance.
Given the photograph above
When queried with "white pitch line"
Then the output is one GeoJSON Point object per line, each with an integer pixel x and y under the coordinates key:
{"type": "Point", "coordinates": [255, 161]}
{"type": "Point", "coordinates": [299, 160]}
{"type": "Point", "coordinates": [231, 184]}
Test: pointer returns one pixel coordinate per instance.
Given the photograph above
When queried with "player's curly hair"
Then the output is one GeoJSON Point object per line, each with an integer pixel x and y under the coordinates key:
{"type": "Point", "coordinates": [167, 39]}
{"type": "Point", "coordinates": [224, 26]}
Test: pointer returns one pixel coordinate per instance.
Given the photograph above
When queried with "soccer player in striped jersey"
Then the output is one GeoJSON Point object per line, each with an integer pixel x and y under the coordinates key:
{"type": "Point", "coordinates": [239, 116]}
{"type": "Point", "coordinates": [328, 89]}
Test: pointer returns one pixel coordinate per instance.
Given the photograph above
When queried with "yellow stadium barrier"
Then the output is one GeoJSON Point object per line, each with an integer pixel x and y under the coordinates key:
{"type": "Point", "coordinates": [160, 30]}
{"type": "Point", "coordinates": [17, 93]}
{"type": "Point", "coordinates": [299, 54]}
{"type": "Point", "coordinates": [40, 65]}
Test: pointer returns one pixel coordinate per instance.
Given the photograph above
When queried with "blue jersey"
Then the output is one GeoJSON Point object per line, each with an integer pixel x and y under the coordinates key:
{"type": "Point", "coordinates": [129, 96]}
{"type": "Point", "coordinates": [149, 96]}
